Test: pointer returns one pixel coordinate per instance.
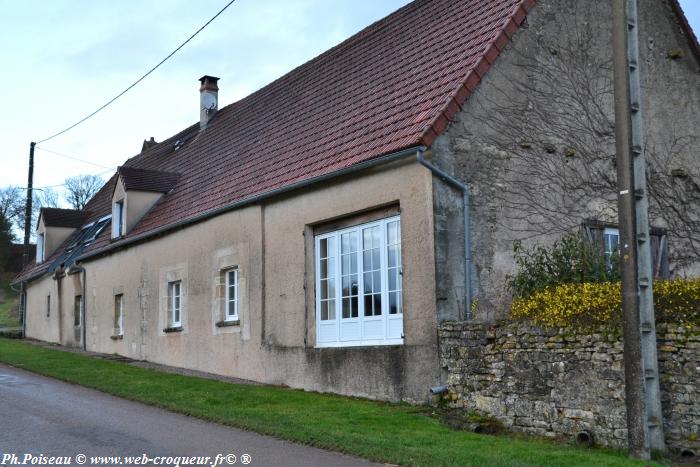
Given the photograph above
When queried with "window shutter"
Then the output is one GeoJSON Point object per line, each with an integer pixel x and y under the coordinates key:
{"type": "Point", "coordinates": [594, 235]}
{"type": "Point", "coordinates": [659, 256]}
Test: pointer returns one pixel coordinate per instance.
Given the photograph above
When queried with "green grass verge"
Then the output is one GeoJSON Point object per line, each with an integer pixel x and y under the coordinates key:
{"type": "Point", "coordinates": [385, 432]}
{"type": "Point", "coordinates": [10, 298]}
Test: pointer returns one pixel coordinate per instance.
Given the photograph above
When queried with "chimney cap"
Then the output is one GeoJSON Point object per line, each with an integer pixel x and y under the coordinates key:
{"type": "Point", "coordinates": [209, 82]}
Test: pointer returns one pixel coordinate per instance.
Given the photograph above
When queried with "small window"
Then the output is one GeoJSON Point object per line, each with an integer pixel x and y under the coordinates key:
{"type": "Point", "coordinates": [175, 303]}
{"type": "Point", "coordinates": [606, 238]}
{"type": "Point", "coordinates": [118, 219]}
{"type": "Point", "coordinates": [48, 306]}
{"type": "Point", "coordinates": [40, 248]}
{"type": "Point", "coordinates": [231, 304]}
{"type": "Point", "coordinates": [119, 315]}
{"type": "Point", "coordinates": [77, 310]}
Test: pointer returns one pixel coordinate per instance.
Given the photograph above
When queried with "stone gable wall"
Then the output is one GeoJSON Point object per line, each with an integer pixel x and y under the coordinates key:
{"type": "Point", "coordinates": [556, 383]}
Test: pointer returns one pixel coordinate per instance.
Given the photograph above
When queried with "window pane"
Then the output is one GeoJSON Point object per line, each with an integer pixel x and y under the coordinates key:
{"type": "Point", "coordinates": [377, 304]}
{"type": "Point", "coordinates": [392, 232]}
{"type": "Point", "coordinates": [368, 305]}
{"type": "Point", "coordinates": [355, 308]}
{"type": "Point", "coordinates": [324, 310]}
{"type": "Point", "coordinates": [353, 263]}
{"type": "Point", "coordinates": [376, 241]}
{"type": "Point", "coordinates": [346, 308]}
{"type": "Point", "coordinates": [345, 265]}
{"type": "Point", "coordinates": [331, 288]}
{"type": "Point", "coordinates": [393, 256]}
{"type": "Point", "coordinates": [377, 281]}
{"type": "Point", "coordinates": [375, 259]}
{"type": "Point", "coordinates": [324, 248]}
{"type": "Point", "coordinates": [393, 273]}
{"type": "Point", "coordinates": [368, 283]}
{"type": "Point", "coordinates": [324, 289]}
{"type": "Point", "coordinates": [393, 303]}
{"type": "Point", "coordinates": [367, 261]}
{"type": "Point", "coordinates": [366, 239]}
{"type": "Point", "coordinates": [346, 286]}
{"type": "Point", "coordinates": [331, 310]}
{"type": "Point", "coordinates": [354, 286]}
{"type": "Point", "coordinates": [324, 268]}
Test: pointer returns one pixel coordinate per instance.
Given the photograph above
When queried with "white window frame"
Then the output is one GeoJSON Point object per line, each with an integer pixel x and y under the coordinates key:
{"type": "Point", "coordinates": [360, 330]}
{"type": "Point", "coordinates": [118, 219]}
{"type": "Point", "coordinates": [607, 246]}
{"type": "Point", "coordinates": [119, 322]}
{"type": "Point", "coordinates": [175, 303]}
{"type": "Point", "coordinates": [40, 247]}
{"type": "Point", "coordinates": [231, 301]}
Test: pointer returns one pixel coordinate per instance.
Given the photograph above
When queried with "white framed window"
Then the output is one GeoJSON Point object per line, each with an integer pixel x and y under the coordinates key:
{"type": "Point", "coordinates": [175, 303]}
{"type": "Point", "coordinates": [231, 304]}
{"type": "Point", "coordinates": [40, 247]}
{"type": "Point", "coordinates": [119, 315]}
{"type": "Point", "coordinates": [611, 244]}
{"type": "Point", "coordinates": [118, 219]}
{"type": "Point", "coordinates": [359, 285]}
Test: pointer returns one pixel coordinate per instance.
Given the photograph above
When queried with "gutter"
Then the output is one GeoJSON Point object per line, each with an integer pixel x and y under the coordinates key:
{"type": "Point", "coordinates": [251, 200]}
{"type": "Point", "coordinates": [464, 188]}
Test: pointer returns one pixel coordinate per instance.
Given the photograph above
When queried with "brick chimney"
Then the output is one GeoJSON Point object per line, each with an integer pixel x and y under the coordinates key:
{"type": "Point", "coordinates": [208, 99]}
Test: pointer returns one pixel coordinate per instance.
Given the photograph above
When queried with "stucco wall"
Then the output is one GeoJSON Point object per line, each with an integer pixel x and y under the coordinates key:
{"type": "Point", "coordinates": [270, 244]}
{"type": "Point", "coordinates": [536, 143]}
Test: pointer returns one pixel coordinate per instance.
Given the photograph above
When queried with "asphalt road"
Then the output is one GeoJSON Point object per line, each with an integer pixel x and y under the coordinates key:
{"type": "Point", "coordinates": [40, 415]}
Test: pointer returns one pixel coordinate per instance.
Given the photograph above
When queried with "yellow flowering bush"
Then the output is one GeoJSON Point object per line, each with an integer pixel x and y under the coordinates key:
{"type": "Point", "coordinates": [592, 304]}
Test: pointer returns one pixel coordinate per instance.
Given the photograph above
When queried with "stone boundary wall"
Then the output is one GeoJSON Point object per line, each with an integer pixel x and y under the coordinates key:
{"type": "Point", "coordinates": [556, 383]}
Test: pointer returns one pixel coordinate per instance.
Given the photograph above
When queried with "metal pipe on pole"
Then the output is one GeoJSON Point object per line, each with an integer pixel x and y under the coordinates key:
{"type": "Point", "coordinates": [642, 395]}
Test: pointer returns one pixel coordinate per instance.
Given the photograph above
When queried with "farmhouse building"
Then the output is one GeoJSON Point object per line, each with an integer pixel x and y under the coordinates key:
{"type": "Point", "coordinates": [315, 233]}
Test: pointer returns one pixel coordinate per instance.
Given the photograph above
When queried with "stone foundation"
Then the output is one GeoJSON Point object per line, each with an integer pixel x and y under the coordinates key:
{"type": "Point", "coordinates": [556, 383]}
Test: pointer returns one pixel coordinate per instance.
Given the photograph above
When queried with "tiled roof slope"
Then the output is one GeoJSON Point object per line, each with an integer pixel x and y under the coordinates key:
{"type": "Point", "coordinates": [392, 86]}
{"type": "Point", "coordinates": [147, 180]}
{"type": "Point", "coordinates": [55, 217]}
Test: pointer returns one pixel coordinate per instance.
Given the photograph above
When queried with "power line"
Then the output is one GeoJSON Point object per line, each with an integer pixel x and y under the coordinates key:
{"type": "Point", "coordinates": [140, 79]}
{"type": "Point", "coordinates": [74, 158]}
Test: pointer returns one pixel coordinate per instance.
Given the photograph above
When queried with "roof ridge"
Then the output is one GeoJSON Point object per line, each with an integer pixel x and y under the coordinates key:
{"type": "Point", "coordinates": [491, 52]}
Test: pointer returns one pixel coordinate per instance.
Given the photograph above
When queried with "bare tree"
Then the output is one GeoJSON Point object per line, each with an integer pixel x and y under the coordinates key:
{"type": "Point", "coordinates": [12, 204]}
{"type": "Point", "coordinates": [80, 189]}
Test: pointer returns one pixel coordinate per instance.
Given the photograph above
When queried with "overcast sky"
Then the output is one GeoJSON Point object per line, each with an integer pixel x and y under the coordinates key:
{"type": "Point", "coordinates": [63, 59]}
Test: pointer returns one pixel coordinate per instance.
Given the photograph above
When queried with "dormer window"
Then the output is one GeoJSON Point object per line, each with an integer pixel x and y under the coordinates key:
{"type": "Point", "coordinates": [40, 248]}
{"type": "Point", "coordinates": [118, 217]}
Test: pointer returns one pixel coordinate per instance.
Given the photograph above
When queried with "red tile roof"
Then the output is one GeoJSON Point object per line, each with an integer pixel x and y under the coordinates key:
{"type": "Point", "coordinates": [147, 180]}
{"type": "Point", "coordinates": [392, 86]}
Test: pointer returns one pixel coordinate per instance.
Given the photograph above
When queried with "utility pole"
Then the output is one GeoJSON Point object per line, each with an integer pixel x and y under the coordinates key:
{"type": "Point", "coordinates": [28, 206]}
{"type": "Point", "coordinates": [27, 232]}
{"type": "Point", "coordinates": [642, 394]}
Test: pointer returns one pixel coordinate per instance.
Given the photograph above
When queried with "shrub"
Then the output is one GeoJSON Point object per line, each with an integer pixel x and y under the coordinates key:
{"type": "Point", "coordinates": [568, 261]}
{"type": "Point", "coordinates": [586, 305]}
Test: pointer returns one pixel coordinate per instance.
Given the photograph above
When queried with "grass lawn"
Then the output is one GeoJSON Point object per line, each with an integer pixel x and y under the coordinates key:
{"type": "Point", "coordinates": [8, 298]}
{"type": "Point", "coordinates": [385, 432]}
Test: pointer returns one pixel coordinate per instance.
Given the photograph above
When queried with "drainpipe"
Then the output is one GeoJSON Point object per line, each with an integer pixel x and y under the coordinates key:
{"type": "Point", "coordinates": [464, 188]}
